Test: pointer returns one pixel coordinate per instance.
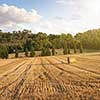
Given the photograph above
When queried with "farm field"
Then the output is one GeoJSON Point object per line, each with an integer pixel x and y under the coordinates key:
{"type": "Point", "coordinates": [51, 78]}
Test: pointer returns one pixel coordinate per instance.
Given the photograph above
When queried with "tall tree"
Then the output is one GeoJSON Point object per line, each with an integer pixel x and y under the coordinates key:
{"type": "Point", "coordinates": [26, 52]}
{"type": "Point", "coordinates": [16, 52]}
{"type": "Point", "coordinates": [81, 47]}
{"type": "Point", "coordinates": [45, 51]}
{"type": "Point", "coordinates": [4, 52]}
{"type": "Point", "coordinates": [32, 52]}
{"type": "Point", "coordinates": [53, 51]}
{"type": "Point", "coordinates": [75, 45]}
{"type": "Point", "coordinates": [69, 50]}
{"type": "Point", "coordinates": [65, 50]}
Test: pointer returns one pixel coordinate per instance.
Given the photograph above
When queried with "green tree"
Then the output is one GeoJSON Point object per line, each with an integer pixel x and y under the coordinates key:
{"type": "Point", "coordinates": [41, 39]}
{"type": "Point", "coordinates": [81, 47]}
{"type": "Point", "coordinates": [65, 50]}
{"type": "Point", "coordinates": [53, 51]}
{"type": "Point", "coordinates": [32, 52]}
{"type": "Point", "coordinates": [16, 52]}
{"type": "Point", "coordinates": [26, 52]}
{"type": "Point", "coordinates": [4, 52]}
{"type": "Point", "coordinates": [45, 52]}
{"type": "Point", "coordinates": [48, 53]}
{"type": "Point", "coordinates": [69, 50]}
{"type": "Point", "coordinates": [75, 49]}
{"type": "Point", "coordinates": [74, 46]}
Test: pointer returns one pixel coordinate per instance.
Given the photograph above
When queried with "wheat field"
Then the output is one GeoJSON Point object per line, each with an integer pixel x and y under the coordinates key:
{"type": "Point", "coordinates": [50, 78]}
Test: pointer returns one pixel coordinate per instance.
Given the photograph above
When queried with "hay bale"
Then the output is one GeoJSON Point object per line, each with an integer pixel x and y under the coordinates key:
{"type": "Point", "coordinates": [71, 60]}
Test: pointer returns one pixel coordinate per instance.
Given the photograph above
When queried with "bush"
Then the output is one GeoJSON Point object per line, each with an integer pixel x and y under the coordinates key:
{"type": "Point", "coordinates": [74, 47]}
{"type": "Point", "coordinates": [81, 48]}
{"type": "Point", "coordinates": [4, 52]}
{"type": "Point", "coordinates": [68, 50]}
{"type": "Point", "coordinates": [45, 52]}
{"type": "Point", "coordinates": [26, 52]}
{"type": "Point", "coordinates": [53, 51]}
{"type": "Point", "coordinates": [16, 53]}
{"type": "Point", "coordinates": [32, 52]}
{"type": "Point", "coordinates": [65, 50]}
{"type": "Point", "coordinates": [48, 53]}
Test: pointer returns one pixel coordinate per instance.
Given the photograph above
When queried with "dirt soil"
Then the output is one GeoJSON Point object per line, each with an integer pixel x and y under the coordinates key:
{"type": "Point", "coordinates": [50, 78]}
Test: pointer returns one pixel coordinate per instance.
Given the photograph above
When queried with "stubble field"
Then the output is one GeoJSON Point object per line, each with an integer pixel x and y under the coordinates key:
{"type": "Point", "coordinates": [50, 78]}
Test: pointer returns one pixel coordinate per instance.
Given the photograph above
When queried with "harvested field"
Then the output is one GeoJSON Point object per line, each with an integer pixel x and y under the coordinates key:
{"type": "Point", "coordinates": [50, 78]}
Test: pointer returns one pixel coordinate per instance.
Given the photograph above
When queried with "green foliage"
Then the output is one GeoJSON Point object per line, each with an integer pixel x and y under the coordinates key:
{"type": "Point", "coordinates": [81, 48]}
{"type": "Point", "coordinates": [68, 50]}
{"type": "Point", "coordinates": [16, 53]}
{"type": "Point", "coordinates": [75, 50]}
{"type": "Point", "coordinates": [32, 52]}
{"type": "Point", "coordinates": [25, 39]}
{"type": "Point", "coordinates": [74, 46]}
{"type": "Point", "coordinates": [53, 51]}
{"type": "Point", "coordinates": [26, 52]}
{"type": "Point", "coordinates": [45, 52]}
{"type": "Point", "coordinates": [28, 44]}
{"type": "Point", "coordinates": [90, 39]}
{"type": "Point", "coordinates": [41, 39]}
{"type": "Point", "coordinates": [3, 52]}
{"type": "Point", "coordinates": [47, 44]}
{"type": "Point", "coordinates": [65, 50]}
{"type": "Point", "coordinates": [10, 49]}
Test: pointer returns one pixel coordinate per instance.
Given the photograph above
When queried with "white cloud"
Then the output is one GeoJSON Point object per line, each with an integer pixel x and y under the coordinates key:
{"type": "Point", "coordinates": [61, 2]}
{"type": "Point", "coordinates": [89, 10]}
{"type": "Point", "coordinates": [80, 16]}
{"type": "Point", "coordinates": [65, 2]}
{"type": "Point", "coordinates": [12, 15]}
{"type": "Point", "coordinates": [83, 11]}
{"type": "Point", "coordinates": [58, 25]}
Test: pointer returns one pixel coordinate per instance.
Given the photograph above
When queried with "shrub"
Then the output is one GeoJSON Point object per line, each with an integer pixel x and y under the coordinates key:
{"type": "Point", "coordinates": [16, 53]}
{"type": "Point", "coordinates": [81, 48]}
{"type": "Point", "coordinates": [74, 47]}
{"type": "Point", "coordinates": [53, 51]}
{"type": "Point", "coordinates": [45, 52]}
{"type": "Point", "coordinates": [32, 52]}
{"type": "Point", "coordinates": [65, 50]}
{"type": "Point", "coordinates": [26, 52]}
{"type": "Point", "coordinates": [4, 52]}
{"type": "Point", "coordinates": [68, 50]}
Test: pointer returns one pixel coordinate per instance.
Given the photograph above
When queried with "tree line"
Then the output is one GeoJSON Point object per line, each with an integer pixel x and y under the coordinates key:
{"type": "Point", "coordinates": [26, 41]}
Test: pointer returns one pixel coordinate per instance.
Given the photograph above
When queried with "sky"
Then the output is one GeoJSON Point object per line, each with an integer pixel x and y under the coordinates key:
{"type": "Point", "coordinates": [50, 16]}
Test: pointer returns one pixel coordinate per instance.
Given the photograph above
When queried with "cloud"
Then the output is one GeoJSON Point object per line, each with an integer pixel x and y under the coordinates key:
{"type": "Point", "coordinates": [89, 10]}
{"type": "Point", "coordinates": [80, 16]}
{"type": "Point", "coordinates": [61, 2]}
{"type": "Point", "coordinates": [83, 11]}
{"type": "Point", "coordinates": [12, 15]}
{"type": "Point", "coordinates": [65, 2]}
{"type": "Point", "coordinates": [58, 25]}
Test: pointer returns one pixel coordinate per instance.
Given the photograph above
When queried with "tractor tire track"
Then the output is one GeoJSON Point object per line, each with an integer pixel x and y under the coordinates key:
{"type": "Point", "coordinates": [21, 79]}
{"type": "Point", "coordinates": [62, 69]}
{"type": "Point", "coordinates": [56, 83]}
{"type": "Point", "coordinates": [72, 65]}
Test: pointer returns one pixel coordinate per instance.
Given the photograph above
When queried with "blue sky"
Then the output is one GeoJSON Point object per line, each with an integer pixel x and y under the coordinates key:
{"type": "Point", "coordinates": [46, 8]}
{"type": "Point", "coordinates": [50, 16]}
